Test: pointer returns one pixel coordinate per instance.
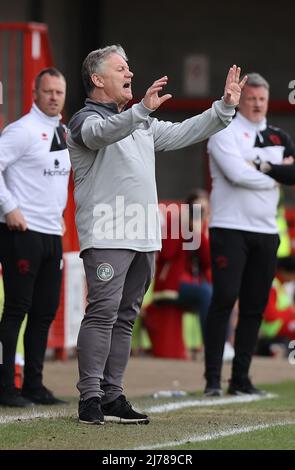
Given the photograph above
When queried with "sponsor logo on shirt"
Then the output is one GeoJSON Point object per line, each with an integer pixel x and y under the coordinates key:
{"type": "Point", "coordinates": [57, 170]}
{"type": "Point", "coordinates": [275, 139]}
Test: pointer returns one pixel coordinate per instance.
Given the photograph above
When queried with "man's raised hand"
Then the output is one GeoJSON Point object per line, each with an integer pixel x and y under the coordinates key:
{"type": "Point", "coordinates": [152, 100]}
{"type": "Point", "coordinates": [233, 86]}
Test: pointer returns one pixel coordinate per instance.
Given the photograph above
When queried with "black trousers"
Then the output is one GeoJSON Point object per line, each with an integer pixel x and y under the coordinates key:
{"type": "Point", "coordinates": [32, 273]}
{"type": "Point", "coordinates": [243, 267]}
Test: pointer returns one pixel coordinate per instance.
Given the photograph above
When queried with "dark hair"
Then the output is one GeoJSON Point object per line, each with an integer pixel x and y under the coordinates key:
{"type": "Point", "coordinates": [51, 71]}
{"type": "Point", "coordinates": [287, 263]}
{"type": "Point", "coordinates": [197, 193]}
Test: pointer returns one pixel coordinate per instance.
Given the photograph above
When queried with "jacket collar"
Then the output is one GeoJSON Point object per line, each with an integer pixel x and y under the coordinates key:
{"type": "Point", "coordinates": [51, 120]}
{"type": "Point", "coordinates": [255, 126]}
{"type": "Point", "coordinates": [95, 104]}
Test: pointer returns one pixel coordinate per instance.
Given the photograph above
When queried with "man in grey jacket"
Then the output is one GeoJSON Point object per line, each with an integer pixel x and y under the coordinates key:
{"type": "Point", "coordinates": [112, 153]}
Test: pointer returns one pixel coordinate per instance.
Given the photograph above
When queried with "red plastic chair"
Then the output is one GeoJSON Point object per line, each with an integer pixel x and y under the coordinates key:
{"type": "Point", "coordinates": [164, 326]}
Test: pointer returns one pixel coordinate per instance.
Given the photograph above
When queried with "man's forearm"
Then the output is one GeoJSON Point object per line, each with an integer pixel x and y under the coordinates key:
{"type": "Point", "coordinates": [284, 174]}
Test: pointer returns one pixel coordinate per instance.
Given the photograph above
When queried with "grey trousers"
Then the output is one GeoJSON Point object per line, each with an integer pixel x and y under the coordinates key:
{"type": "Point", "coordinates": [117, 281]}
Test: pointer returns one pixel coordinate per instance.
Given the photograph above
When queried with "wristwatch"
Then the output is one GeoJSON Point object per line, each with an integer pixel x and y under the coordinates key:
{"type": "Point", "coordinates": [257, 162]}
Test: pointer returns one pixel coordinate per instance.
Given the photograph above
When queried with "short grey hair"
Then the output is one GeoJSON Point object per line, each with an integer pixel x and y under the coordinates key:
{"type": "Point", "coordinates": [255, 79]}
{"type": "Point", "coordinates": [94, 64]}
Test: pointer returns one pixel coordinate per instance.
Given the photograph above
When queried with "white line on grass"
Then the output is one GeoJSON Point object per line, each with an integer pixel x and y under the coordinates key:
{"type": "Point", "coordinates": [207, 402]}
{"type": "Point", "coordinates": [216, 435]}
{"type": "Point", "coordinates": [32, 415]}
{"type": "Point", "coordinates": [35, 414]}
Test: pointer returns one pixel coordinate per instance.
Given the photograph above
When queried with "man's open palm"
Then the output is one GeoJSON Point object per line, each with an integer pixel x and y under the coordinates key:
{"type": "Point", "coordinates": [233, 86]}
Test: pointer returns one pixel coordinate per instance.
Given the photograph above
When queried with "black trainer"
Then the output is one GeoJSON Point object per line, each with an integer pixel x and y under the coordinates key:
{"type": "Point", "coordinates": [213, 389]}
{"type": "Point", "coordinates": [42, 396]}
{"type": "Point", "coordinates": [90, 411]}
{"type": "Point", "coordinates": [121, 411]}
{"type": "Point", "coordinates": [213, 392]}
{"type": "Point", "coordinates": [12, 397]}
{"type": "Point", "coordinates": [243, 387]}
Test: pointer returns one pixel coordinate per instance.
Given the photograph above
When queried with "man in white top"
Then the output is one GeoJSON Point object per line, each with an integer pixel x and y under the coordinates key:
{"type": "Point", "coordinates": [34, 172]}
{"type": "Point", "coordinates": [243, 232]}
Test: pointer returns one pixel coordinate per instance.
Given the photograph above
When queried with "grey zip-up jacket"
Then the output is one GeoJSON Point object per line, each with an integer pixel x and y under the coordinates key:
{"type": "Point", "coordinates": [113, 160]}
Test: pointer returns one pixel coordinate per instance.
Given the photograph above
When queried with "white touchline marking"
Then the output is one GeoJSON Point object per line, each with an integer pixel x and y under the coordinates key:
{"type": "Point", "coordinates": [215, 435]}
{"type": "Point", "coordinates": [32, 415]}
{"type": "Point", "coordinates": [207, 402]}
{"type": "Point", "coordinates": [35, 414]}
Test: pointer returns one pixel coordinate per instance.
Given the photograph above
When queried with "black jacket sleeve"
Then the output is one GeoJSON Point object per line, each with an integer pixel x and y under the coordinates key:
{"type": "Point", "coordinates": [284, 174]}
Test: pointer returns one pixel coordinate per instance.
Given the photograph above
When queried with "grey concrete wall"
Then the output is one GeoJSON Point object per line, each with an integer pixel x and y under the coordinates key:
{"type": "Point", "coordinates": [14, 10]}
{"type": "Point", "coordinates": [159, 34]}
{"type": "Point", "coordinates": [157, 37]}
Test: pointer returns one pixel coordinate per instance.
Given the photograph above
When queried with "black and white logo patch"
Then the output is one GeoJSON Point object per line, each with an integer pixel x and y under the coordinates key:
{"type": "Point", "coordinates": [105, 272]}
